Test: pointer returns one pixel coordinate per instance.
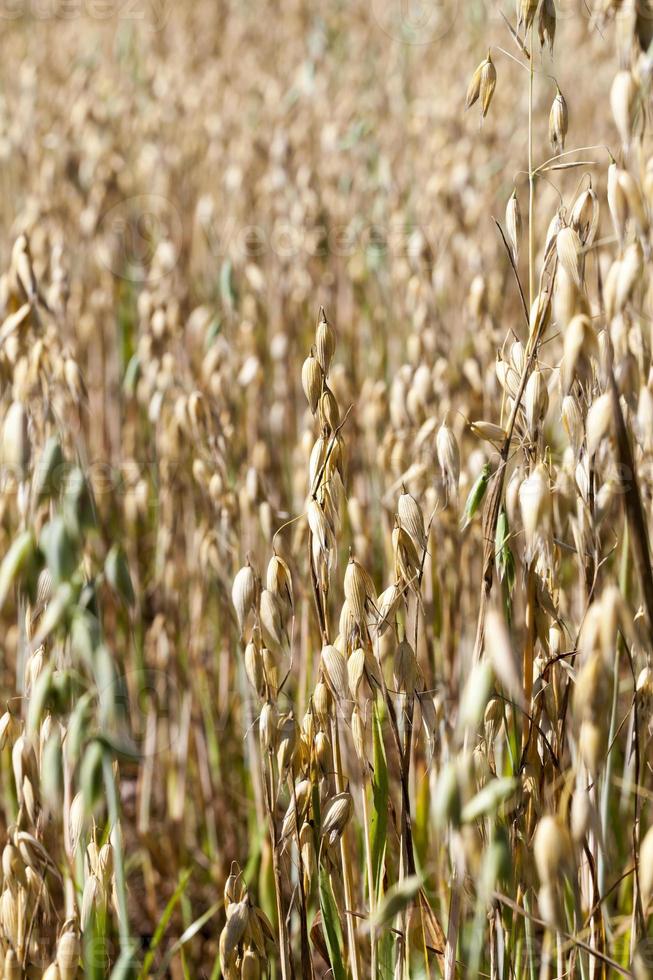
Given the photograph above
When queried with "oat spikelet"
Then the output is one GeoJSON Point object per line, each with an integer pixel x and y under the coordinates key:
{"type": "Point", "coordinates": [584, 217]}
{"type": "Point", "coordinates": [558, 122]}
{"type": "Point", "coordinates": [448, 458]}
{"type": "Point", "coordinates": [325, 342]}
{"type": "Point", "coordinates": [16, 447]}
{"type": "Point", "coordinates": [411, 519]}
{"type": "Point", "coordinates": [546, 24]}
{"type": "Point", "coordinates": [513, 224]}
{"type": "Point", "coordinates": [598, 422]}
{"type": "Point", "coordinates": [335, 672]}
{"type": "Point", "coordinates": [336, 814]}
{"type": "Point", "coordinates": [482, 85]}
{"type": "Point", "coordinates": [243, 593]}
{"type": "Point", "coordinates": [527, 11]}
{"type": "Point", "coordinates": [552, 850]}
{"type": "Point", "coordinates": [312, 381]}
{"type": "Point", "coordinates": [535, 506]}
{"type": "Point", "coordinates": [623, 102]}
{"type": "Point", "coordinates": [568, 248]}
{"type": "Point", "coordinates": [617, 202]}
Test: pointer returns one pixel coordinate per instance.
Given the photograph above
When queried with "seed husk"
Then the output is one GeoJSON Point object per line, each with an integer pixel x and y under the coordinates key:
{"type": "Point", "coordinates": [336, 815]}
{"type": "Point", "coordinates": [558, 122]}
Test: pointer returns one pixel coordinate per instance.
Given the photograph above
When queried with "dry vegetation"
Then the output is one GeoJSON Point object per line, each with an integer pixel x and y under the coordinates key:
{"type": "Point", "coordinates": [327, 475]}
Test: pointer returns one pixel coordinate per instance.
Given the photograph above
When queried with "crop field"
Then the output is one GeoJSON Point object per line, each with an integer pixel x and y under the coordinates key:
{"type": "Point", "coordinates": [326, 489]}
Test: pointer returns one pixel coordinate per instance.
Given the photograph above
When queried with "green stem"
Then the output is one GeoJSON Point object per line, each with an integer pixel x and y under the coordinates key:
{"type": "Point", "coordinates": [370, 875]}
{"type": "Point", "coordinates": [284, 944]}
{"type": "Point", "coordinates": [126, 942]}
{"type": "Point", "coordinates": [344, 856]}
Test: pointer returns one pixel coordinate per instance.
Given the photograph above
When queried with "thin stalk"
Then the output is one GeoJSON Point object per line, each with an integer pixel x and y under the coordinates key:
{"type": "Point", "coordinates": [284, 956]}
{"type": "Point", "coordinates": [307, 972]}
{"type": "Point", "coordinates": [370, 873]}
{"type": "Point", "coordinates": [344, 858]}
{"type": "Point", "coordinates": [528, 930]}
{"type": "Point", "coordinates": [529, 652]}
{"type": "Point", "coordinates": [531, 184]}
{"type": "Point", "coordinates": [406, 823]}
{"type": "Point", "coordinates": [547, 945]}
{"type": "Point", "coordinates": [633, 504]}
{"type": "Point", "coordinates": [609, 762]}
{"type": "Point", "coordinates": [453, 927]}
{"type": "Point", "coordinates": [570, 937]}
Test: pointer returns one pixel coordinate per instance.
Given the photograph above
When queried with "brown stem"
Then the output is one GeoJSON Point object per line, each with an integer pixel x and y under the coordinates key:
{"type": "Point", "coordinates": [529, 651]}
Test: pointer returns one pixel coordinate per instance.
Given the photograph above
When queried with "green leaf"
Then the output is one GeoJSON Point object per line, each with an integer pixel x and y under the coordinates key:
{"type": "Point", "coordinates": [266, 887]}
{"type": "Point", "coordinates": [125, 968]}
{"type": "Point", "coordinates": [132, 374]}
{"type": "Point", "coordinates": [228, 292]}
{"type": "Point", "coordinates": [379, 819]}
{"type": "Point", "coordinates": [446, 805]}
{"type": "Point", "coordinates": [78, 501]}
{"type": "Point", "coordinates": [78, 728]}
{"type": "Point", "coordinates": [504, 560]}
{"type": "Point", "coordinates": [189, 933]}
{"type": "Point", "coordinates": [39, 699]}
{"type": "Point", "coordinates": [20, 555]}
{"type": "Point", "coordinates": [475, 496]}
{"type": "Point", "coordinates": [163, 923]}
{"type": "Point", "coordinates": [52, 774]}
{"type": "Point", "coordinates": [90, 774]}
{"type": "Point", "coordinates": [55, 611]}
{"type": "Point", "coordinates": [213, 331]}
{"type": "Point", "coordinates": [422, 821]}
{"type": "Point", "coordinates": [95, 950]}
{"type": "Point", "coordinates": [386, 952]}
{"type": "Point", "coordinates": [84, 636]}
{"type": "Point", "coordinates": [116, 570]}
{"type": "Point", "coordinates": [121, 748]}
{"type": "Point", "coordinates": [332, 928]}
{"type": "Point", "coordinates": [109, 686]}
{"type": "Point", "coordinates": [497, 864]}
{"type": "Point", "coordinates": [59, 546]}
{"type": "Point", "coordinates": [489, 799]}
{"type": "Point", "coordinates": [49, 472]}
{"type": "Point", "coordinates": [399, 897]}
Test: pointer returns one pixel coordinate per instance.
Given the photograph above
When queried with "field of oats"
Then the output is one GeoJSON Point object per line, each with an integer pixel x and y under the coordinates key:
{"type": "Point", "coordinates": [326, 489]}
